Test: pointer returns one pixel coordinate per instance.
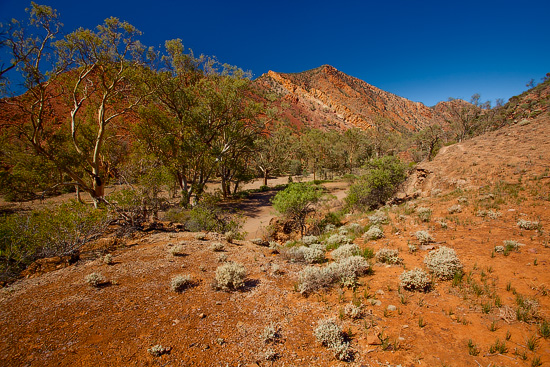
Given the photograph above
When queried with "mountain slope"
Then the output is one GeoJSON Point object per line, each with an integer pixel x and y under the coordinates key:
{"type": "Point", "coordinates": [328, 98]}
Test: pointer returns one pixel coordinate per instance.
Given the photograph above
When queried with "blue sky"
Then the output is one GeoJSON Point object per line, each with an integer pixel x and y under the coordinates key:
{"type": "Point", "coordinates": [425, 51]}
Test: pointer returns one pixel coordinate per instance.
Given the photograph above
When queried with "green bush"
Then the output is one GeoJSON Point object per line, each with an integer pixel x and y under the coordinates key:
{"type": "Point", "coordinates": [378, 185]}
{"type": "Point", "coordinates": [58, 231]}
{"type": "Point", "coordinates": [296, 201]}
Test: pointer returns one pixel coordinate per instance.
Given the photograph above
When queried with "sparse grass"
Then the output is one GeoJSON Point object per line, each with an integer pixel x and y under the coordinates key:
{"type": "Point", "coordinates": [493, 326]}
{"type": "Point", "coordinates": [498, 347]}
{"type": "Point", "coordinates": [544, 329]}
{"type": "Point", "coordinates": [536, 362]}
{"type": "Point", "coordinates": [531, 343]}
{"type": "Point", "coordinates": [421, 322]}
{"type": "Point", "coordinates": [473, 350]}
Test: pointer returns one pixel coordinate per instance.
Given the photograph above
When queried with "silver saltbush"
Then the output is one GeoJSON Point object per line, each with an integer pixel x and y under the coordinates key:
{"type": "Point", "coordinates": [388, 256]}
{"type": "Point", "coordinates": [336, 240]}
{"type": "Point", "coordinates": [424, 237]}
{"type": "Point", "coordinates": [309, 240]}
{"type": "Point", "coordinates": [313, 278]}
{"type": "Point", "coordinates": [527, 224]}
{"type": "Point", "coordinates": [95, 279]}
{"type": "Point", "coordinates": [346, 250]}
{"type": "Point", "coordinates": [424, 214]}
{"type": "Point", "coordinates": [415, 280]}
{"type": "Point", "coordinates": [454, 209]}
{"type": "Point", "coordinates": [443, 262]}
{"type": "Point", "coordinates": [309, 255]}
{"type": "Point", "coordinates": [180, 282]}
{"type": "Point", "coordinates": [373, 233]}
{"type": "Point", "coordinates": [378, 218]}
{"type": "Point", "coordinates": [230, 276]}
{"type": "Point", "coordinates": [330, 334]}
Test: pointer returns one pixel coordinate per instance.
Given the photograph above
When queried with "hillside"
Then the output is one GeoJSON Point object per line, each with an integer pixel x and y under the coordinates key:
{"type": "Point", "coordinates": [327, 98]}
{"type": "Point", "coordinates": [495, 181]}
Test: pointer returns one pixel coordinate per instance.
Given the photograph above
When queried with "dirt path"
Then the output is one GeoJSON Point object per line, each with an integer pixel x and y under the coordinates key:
{"type": "Point", "coordinates": [258, 211]}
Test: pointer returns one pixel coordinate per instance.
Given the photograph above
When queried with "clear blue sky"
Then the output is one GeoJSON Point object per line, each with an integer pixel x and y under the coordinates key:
{"type": "Point", "coordinates": [425, 51]}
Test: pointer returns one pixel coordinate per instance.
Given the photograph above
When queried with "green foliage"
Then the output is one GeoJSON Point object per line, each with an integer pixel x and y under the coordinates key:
{"type": "Point", "coordinates": [378, 185]}
{"type": "Point", "coordinates": [297, 200]}
{"type": "Point", "coordinates": [47, 232]}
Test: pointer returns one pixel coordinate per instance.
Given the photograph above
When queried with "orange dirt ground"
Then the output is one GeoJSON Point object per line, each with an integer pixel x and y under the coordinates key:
{"type": "Point", "coordinates": [56, 319]}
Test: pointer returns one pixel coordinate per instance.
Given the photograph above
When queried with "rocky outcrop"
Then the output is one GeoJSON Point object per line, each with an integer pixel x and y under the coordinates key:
{"type": "Point", "coordinates": [342, 101]}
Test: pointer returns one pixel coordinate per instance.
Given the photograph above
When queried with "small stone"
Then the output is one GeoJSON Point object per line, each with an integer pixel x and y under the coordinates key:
{"type": "Point", "coordinates": [405, 326]}
{"type": "Point", "coordinates": [380, 292]}
{"type": "Point", "coordinates": [202, 316]}
{"type": "Point", "coordinates": [392, 308]}
{"type": "Point", "coordinates": [373, 340]}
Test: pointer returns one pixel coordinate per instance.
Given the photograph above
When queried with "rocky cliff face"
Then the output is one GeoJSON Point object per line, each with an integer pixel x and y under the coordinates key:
{"type": "Point", "coordinates": [326, 97]}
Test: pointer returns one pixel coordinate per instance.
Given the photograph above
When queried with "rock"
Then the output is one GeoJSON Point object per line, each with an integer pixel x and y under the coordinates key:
{"type": "Point", "coordinates": [260, 242]}
{"type": "Point", "coordinates": [392, 308]}
{"type": "Point", "coordinates": [373, 340]}
{"type": "Point", "coordinates": [202, 316]}
{"type": "Point", "coordinates": [46, 265]}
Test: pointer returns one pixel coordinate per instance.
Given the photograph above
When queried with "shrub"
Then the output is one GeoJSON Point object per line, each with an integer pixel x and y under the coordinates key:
{"type": "Point", "coordinates": [96, 279]}
{"type": "Point", "coordinates": [378, 218]}
{"type": "Point", "coordinates": [336, 240]}
{"type": "Point", "coordinates": [424, 214]}
{"type": "Point", "coordinates": [374, 233]}
{"type": "Point", "coordinates": [454, 209]}
{"type": "Point", "coordinates": [158, 350]}
{"type": "Point", "coordinates": [313, 278]}
{"type": "Point", "coordinates": [388, 256]}
{"type": "Point", "coordinates": [207, 216]}
{"type": "Point", "coordinates": [330, 335]}
{"type": "Point", "coordinates": [348, 269]}
{"type": "Point", "coordinates": [346, 250]}
{"type": "Point", "coordinates": [415, 280]}
{"type": "Point", "coordinates": [217, 247]}
{"type": "Point", "coordinates": [309, 240]}
{"type": "Point", "coordinates": [180, 283]}
{"type": "Point", "coordinates": [200, 236]}
{"type": "Point", "coordinates": [352, 311]}
{"type": "Point", "coordinates": [55, 231]}
{"type": "Point", "coordinates": [296, 201]}
{"type": "Point", "coordinates": [177, 250]}
{"type": "Point", "coordinates": [271, 333]}
{"type": "Point", "coordinates": [443, 262]}
{"type": "Point", "coordinates": [378, 185]}
{"type": "Point", "coordinates": [345, 271]}
{"type": "Point", "coordinates": [108, 259]}
{"type": "Point", "coordinates": [528, 225]}
{"type": "Point", "coordinates": [230, 276]}
{"type": "Point", "coordinates": [306, 254]}
{"type": "Point", "coordinates": [424, 237]}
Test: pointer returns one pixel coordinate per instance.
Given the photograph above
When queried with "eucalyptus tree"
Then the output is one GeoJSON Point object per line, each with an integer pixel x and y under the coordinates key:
{"type": "Point", "coordinates": [200, 121]}
{"type": "Point", "coordinates": [78, 87]}
{"type": "Point", "coordinates": [102, 86]}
